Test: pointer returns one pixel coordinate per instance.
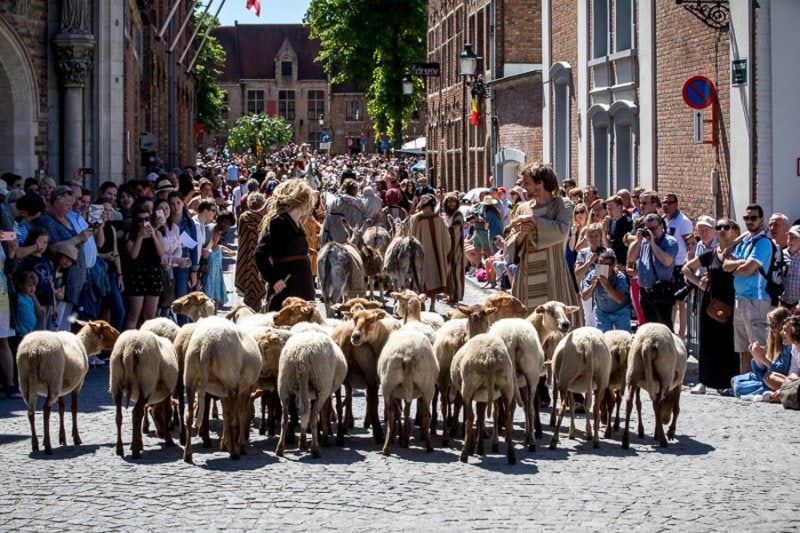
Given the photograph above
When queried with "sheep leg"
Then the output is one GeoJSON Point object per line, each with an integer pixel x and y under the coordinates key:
{"type": "Point", "coordinates": [118, 403]}
{"type": "Point", "coordinates": [350, 421]}
{"type": "Point", "coordinates": [291, 408]}
{"type": "Point", "coordinates": [224, 443]}
{"type": "Point", "coordinates": [454, 423]}
{"type": "Point", "coordinates": [275, 410]}
{"type": "Point", "coordinates": [659, 435]}
{"type": "Point", "coordinates": [587, 403]}
{"type": "Point", "coordinates": [607, 412]}
{"type": "Point", "coordinates": [571, 399]}
{"type": "Point", "coordinates": [434, 414]}
{"type": "Point", "coordinates": [262, 428]}
{"type": "Point", "coordinates": [215, 409]}
{"type": "Point", "coordinates": [327, 409]}
{"type": "Point", "coordinates": [511, 453]}
{"type": "Point", "coordinates": [468, 436]}
{"type": "Point", "coordinates": [341, 429]}
{"type": "Point", "coordinates": [481, 428]}
{"type": "Point", "coordinates": [537, 420]}
{"type": "Point", "coordinates": [138, 421]}
{"type": "Point", "coordinates": [390, 425]}
{"type": "Point", "coordinates": [626, 435]}
{"type": "Point", "coordinates": [314, 420]}
{"type": "Point", "coordinates": [281, 447]}
{"type": "Point", "coordinates": [426, 425]}
{"type": "Point", "coordinates": [526, 408]}
{"type": "Point", "coordinates": [561, 411]}
{"type": "Point", "coordinates": [640, 429]}
{"type": "Point", "coordinates": [405, 434]}
{"type": "Point", "coordinates": [202, 411]}
{"type": "Point", "coordinates": [187, 450]}
{"type": "Point", "coordinates": [555, 405]}
{"type": "Point", "coordinates": [62, 433]}
{"type": "Point", "coordinates": [32, 422]}
{"type": "Point", "coordinates": [618, 402]}
{"type": "Point", "coordinates": [372, 413]}
{"type": "Point", "coordinates": [418, 414]}
{"type": "Point", "coordinates": [596, 416]}
{"type": "Point", "coordinates": [179, 388]}
{"type": "Point", "coordinates": [445, 407]}
{"type": "Point", "coordinates": [674, 399]}
{"type": "Point", "coordinates": [162, 412]}
{"type": "Point", "coordinates": [146, 420]}
{"type": "Point", "coordinates": [48, 449]}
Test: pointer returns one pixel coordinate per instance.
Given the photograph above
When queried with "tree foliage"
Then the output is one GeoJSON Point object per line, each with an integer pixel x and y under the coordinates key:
{"type": "Point", "coordinates": [259, 132]}
{"type": "Point", "coordinates": [371, 44]}
{"type": "Point", "coordinates": [210, 97]}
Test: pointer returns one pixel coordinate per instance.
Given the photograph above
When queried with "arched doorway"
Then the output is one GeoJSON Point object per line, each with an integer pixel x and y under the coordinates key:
{"type": "Point", "coordinates": [19, 97]}
{"type": "Point", "coordinates": [508, 161]}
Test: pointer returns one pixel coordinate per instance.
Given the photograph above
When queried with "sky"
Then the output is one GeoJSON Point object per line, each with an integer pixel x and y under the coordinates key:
{"type": "Point", "coordinates": [272, 12]}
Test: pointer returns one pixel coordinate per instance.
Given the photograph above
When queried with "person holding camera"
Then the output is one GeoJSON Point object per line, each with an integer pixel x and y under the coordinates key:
{"type": "Point", "coordinates": [606, 289]}
{"type": "Point", "coordinates": [585, 263]}
{"type": "Point", "coordinates": [654, 252]}
{"type": "Point", "coordinates": [144, 278]}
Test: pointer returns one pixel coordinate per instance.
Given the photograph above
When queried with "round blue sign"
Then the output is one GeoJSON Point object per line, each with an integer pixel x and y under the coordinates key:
{"type": "Point", "coordinates": [324, 137]}
{"type": "Point", "coordinates": [699, 92]}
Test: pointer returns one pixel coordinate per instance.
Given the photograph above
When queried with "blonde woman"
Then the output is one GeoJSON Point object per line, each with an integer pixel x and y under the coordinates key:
{"type": "Point", "coordinates": [770, 365]}
{"type": "Point", "coordinates": [282, 251]}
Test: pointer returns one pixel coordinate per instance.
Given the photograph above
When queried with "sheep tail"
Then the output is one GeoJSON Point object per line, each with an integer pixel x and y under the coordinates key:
{"type": "Point", "coordinates": [589, 355]}
{"type": "Point", "coordinates": [303, 401]}
{"type": "Point", "coordinates": [408, 384]}
{"type": "Point", "coordinates": [130, 362]}
{"type": "Point", "coordinates": [649, 353]}
{"type": "Point", "coordinates": [490, 391]}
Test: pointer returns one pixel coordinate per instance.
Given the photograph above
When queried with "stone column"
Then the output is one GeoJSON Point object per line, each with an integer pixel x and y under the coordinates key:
{"type": "Point", "coordinates": [74, 53]}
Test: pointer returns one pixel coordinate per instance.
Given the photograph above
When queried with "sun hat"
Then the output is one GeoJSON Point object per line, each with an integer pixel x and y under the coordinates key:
{"type": "Point", "coordinates": [66, 249]}
{"type": "Point", "coordinates": [163, 184]}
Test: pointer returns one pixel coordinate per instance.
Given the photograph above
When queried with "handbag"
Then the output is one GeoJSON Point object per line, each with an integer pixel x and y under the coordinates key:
{"type": "Point", "coordinates": [789, 393]}
{"type": "Point", "coordinates": [719, 310]}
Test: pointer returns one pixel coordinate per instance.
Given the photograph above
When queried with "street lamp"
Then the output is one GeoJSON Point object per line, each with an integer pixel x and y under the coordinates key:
{"type": "Point", "coordinates": [408, 84]}
{"type": "Point", "coordinates": [321, 120]}
{"type": "Point", "coordinates": [467, 61]}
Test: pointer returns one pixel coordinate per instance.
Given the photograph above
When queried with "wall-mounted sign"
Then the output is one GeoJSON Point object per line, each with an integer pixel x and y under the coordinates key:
{"type": "Point", "coordinates": [739, 72]}
{"type": "Point", "coordinates": [425, 69]}
{"type": "Point", "coordinates": [698, 92]}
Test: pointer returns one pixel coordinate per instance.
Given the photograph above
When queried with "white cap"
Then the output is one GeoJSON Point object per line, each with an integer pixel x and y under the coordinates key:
{"type": "Point", "coordinates": [705, 220]}
{"type": "Point", "coordinates": [152, 176]}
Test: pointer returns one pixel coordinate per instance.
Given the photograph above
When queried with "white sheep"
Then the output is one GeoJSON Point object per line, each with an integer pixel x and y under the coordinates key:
{"type": "Point", "coordinates": [526, 353]}
{"type": "Point", "coordinates": [407, 370]}
{"type": "Point", "coordinates": [144, 368]}
{"type": "Point", "coordinates": [657, 364]}
{"type": "Point", "coordinates": [482, 371]}
{"type": "Point", "coordinates": [224, 360]}
{"type": "Point", "coordinates": [270, 345]}
{"type": "Point", "coordinates": [619, 345]}
{"type": "Point", "coordinates": [581, 363]}
{"type": "Point", "coordinates": [311, 368]}
{"type": "Point", "coordinates": [434, 320]}
{"type": "Point", "coordinates": [163, 327]}
{"type": "Point", "coordinates": [54, 364]}
{"type": "Point", "coordinates": [450, 337]}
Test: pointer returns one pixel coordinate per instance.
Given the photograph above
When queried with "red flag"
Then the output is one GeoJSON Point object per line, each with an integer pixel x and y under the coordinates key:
{"type": "Point", "coordinates": [254, 6]}
{"type": "Point", "coordinates": [475, 118]}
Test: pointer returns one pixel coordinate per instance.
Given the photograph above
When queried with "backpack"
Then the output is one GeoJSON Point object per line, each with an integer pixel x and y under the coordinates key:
{"type": "Point", "coordinates": [775, 274]}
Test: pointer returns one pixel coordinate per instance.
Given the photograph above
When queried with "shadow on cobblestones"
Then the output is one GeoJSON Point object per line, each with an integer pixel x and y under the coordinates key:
{"type": "Point", "coordinates": [8, 439]}
{"type": "Point", "coordinates": [64, 453]}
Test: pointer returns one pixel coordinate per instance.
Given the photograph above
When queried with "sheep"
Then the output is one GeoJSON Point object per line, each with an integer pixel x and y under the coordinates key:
{"type": "Point", "coordinates": [581, 363]}
{"type": "Point", "coordinates": [507, 307]}
{"type": "Point", "coordinates": [356, 304]}
{"type": "Point", "coordinates": [434, 320]}
{"type": "Point", "coordinates": [413, 304]}
{"type": "Point", "coordinates": [54, 364]}
{"type": "Point", "coordinates": [526, 353]}
{"type": "Point", "coordinates": [311, 367]}
{"type": "Point", "coordinates": [407, 370]}
{"type": "Point", "coordinates": [619, 345]}
{"type": "Point", "coordinates": [264, 320]}
{"type": "Point", "coordinates": [195, 305]}
{"type": "Point", "coordinates": [482, 371]}
{"type": "Point", "coordinates": [361, 339]}
{"type": "Point", "coordinates": [163, 327]}
{"type": "Point", "coordinates": [224, 360]}
{"type": "Point", "coordinates": [238, 312]}
{"type": "Point", "coordinates": [302, 311]}
{"type": "Point", "coordinates": [656, 363]}
{"type": "Point", "coordinates": [270, 345]}
{"type": "Point", "coordinates": [452, 336]}
{"type": "Point", "coordinates": [143, 367]}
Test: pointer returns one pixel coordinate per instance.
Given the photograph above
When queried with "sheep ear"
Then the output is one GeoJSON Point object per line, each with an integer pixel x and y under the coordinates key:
{"type": "Point", "coordinates": [381, 314]}
{"type": "Point", "coordinates": [337, 307]}
{"type": "Point", "coordinates": [81, 323]}
{"type": "Point", "coordinates": [490, 310]}
{"type": "Point", "coordinates": [571, 309]}
{"type": "Point", "coordinates": [308, 308]}
{"type": "Point", "coordinates": [423, 298]}
{"type": "Point", "coordinates": [539, 309]}
{"type": "Point", "coordinates": [348, 314]}
{"type": "Point", "coordinates": [396, 296]}
{"type": "Point", "coordinates": [464, 309]}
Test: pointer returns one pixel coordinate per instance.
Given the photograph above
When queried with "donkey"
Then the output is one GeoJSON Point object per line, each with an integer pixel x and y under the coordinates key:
{"type": "Point", "coordinates": [371, 256]}
{"type": "Point", "coordinates": [404, 259]}
{"type": "Point", "coordinates": [340, 271]}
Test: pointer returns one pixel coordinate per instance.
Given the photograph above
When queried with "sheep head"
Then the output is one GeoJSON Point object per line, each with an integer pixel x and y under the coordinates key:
{"type": "Point", "coordinates": [239, 312]}
{"type": "Point", "coordinates": [297, 312]}
{"type": "Point", "coordinates": [98, 334]}
{"type": "Point", "coordinates": [366, 325]}
{"type": "Point", "coordinates": [477, 318]}
{"type": "Point", "coordinates": [507, 306]}
{"type": "Point", "coordinates": [195, 305]}
{"type": "Point", "coordinates": [356, 304]}
{"type": "Point", "coordinates": [552, 317]}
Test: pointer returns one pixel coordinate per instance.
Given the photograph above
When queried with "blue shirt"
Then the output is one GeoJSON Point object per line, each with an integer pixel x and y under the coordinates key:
{"type": "Point", "coordinates": [602, 300]}
{"type": "Point", "coordinates": [649, 273]}
{"type": "Point", "coordinates": [26, 315]}
{"type": "Point", "coordinates": [759, 248]}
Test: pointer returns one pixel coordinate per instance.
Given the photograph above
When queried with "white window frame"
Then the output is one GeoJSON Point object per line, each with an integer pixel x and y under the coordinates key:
{"type": "Point", "coordinates": [602, 136]}
{"type": "Point", "coordinates": [561, 79]}
{"type": "Point", "coordinates": [600, 28]}
{"type": "Point", "coordinates": [624, 25]}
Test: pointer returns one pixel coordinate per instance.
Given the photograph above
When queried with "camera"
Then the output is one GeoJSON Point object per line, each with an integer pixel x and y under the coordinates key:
{"type": "Point", "coordinates": [683, 292]}
{"type": "Point", "coordinates": [646, 233]}
{"type": "Point", "coordinates": [87, 170]}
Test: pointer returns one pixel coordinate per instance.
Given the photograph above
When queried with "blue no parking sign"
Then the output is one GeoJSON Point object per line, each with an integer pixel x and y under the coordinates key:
{"type": "Point", "coordinates": [698, 92]}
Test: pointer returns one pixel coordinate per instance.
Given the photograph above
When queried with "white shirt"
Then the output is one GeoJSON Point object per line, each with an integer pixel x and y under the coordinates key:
{"type": "Point", "coordinates": [679, 226]}
{"type": "Point", "coordinates": [89, 247]}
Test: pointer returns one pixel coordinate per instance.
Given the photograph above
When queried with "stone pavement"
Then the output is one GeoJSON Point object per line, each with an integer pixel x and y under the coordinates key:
{"type": "Point", "coordinates": [727, 470]}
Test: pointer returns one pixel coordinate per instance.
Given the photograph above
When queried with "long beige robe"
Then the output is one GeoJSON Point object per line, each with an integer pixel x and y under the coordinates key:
{"type": "Point", "coordinates": [542, 274]}
{"type": "Point", "coordinates": [432, 233]}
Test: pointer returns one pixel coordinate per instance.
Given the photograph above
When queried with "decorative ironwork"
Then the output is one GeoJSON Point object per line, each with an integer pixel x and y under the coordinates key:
{"type": "Point", "coordinates": [713, 13]}
{"type": "Point", "coordinates": [478, 88]}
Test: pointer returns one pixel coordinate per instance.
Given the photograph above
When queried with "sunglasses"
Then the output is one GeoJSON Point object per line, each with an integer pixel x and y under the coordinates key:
{"type": "Point", "coordinates": [654, 228]}
{"type": "Point", "coordinates": [752, 218]}
{"type": "Point", "coordinates": [143, 219]}
{"type": "Point", "coordinates": [669, 202]}
{"type": "Point", "coordinates": [721, 227]}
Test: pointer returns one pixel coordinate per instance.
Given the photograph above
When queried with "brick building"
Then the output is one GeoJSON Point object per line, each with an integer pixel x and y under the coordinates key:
{"type": "Point", "coordinates": [79, 82]}
{"type": "Point", "coordinates": [505, 36]}
{"type": "Point", "coordinates": [614, 110]}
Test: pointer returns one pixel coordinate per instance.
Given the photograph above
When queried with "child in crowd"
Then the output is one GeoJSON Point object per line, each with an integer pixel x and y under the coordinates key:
{"type": "Point", "coordinates": [65, 256]}
{"type": "Point", "coordinates": [28, 309]}
{"type": "Point", "coordinates": [607, 288]}
{"type": "Point", "coordinates": [769, 365]}
{"type": "Point", "coordinates": [43, 268]}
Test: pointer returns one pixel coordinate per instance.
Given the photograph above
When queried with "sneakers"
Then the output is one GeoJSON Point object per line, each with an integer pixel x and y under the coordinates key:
{"type": "Point", "coordinates": [725, 392]}
{"type": "Point", "coordinates": [767, 396]}
{"type": "Point", "coordinates": [698, 389]}
{"type": "Point", "coordinates": [96, 361]}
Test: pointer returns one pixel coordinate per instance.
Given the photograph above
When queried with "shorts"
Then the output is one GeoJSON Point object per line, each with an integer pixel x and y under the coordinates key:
{"type": "Point", "coordinates": [750, 323]}
{"type": "Point", "coordinates": [480, 240]}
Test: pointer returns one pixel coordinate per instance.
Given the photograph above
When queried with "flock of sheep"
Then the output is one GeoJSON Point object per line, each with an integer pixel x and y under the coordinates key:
{"type": "Point", "coordinates": [297, 362]}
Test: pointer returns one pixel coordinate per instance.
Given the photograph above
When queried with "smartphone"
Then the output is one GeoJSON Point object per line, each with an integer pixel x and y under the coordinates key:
{"type": "Point", "coordinates": [602, 270]}
{"type": "Point", "coordinates": [95, 214]}
{"type": "Point", "coordinates": [88, 170]}
{"type": "Point", "coordinates": [7, 235]}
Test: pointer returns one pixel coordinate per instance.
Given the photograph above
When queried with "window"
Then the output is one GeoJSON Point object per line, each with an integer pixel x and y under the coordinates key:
{"type": "Point", "coordinates": [255, 101]}
{"type": "Point", "coordinates": [316, 104]}
{"type": "Point", "coordinates": [600, 135]}
{"type": "Point", "coordinates": [599, 28]}
{"type": "Point", "coordinates": [624, 25]}
{"type": "Point", "coordinates": [286, 104]}
{"type": "Point", "coordinates": [561, 128]}
{"type": "Point", "coordinates": [354, 113]}
{"type": "Point", "coordinates": [313, 140]}
{"type": "Point", "coordinates": [223, 114]}
{"type": "Point", "coordinates": [623, 141]}
{"type": "Point", "coordinates": [286, 68]}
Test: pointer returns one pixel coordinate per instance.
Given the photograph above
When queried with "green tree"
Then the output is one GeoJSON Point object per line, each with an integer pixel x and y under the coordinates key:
{"type": "Point", "coordinates": [258, 132]}
{"type": "Point", "coordinates": [372, 44]}
{"type": "Point", "coordinates": [210, 97]}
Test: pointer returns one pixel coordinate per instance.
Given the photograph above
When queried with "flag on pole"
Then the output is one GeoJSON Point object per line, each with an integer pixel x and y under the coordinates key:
{"type": "Point", "coordinates": [254, 6]}
{"type": "Point", "coordinates": [475, 119]}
